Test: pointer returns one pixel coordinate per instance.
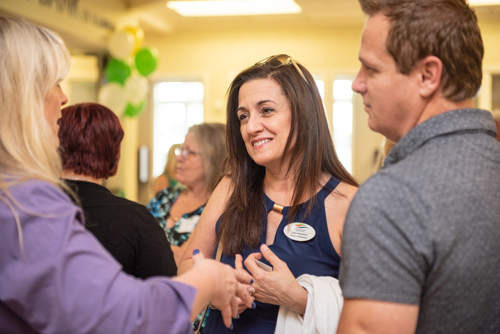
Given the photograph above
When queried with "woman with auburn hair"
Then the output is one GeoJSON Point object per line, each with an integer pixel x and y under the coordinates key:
{"type": "Point", "coordinates": [199, 160]}
{"type": "Point", "coordinates": [90, 138]}
{"type": "Point", "coordinates": [58, 277]}
{"type": "Point", "coordinates": [284, 199]}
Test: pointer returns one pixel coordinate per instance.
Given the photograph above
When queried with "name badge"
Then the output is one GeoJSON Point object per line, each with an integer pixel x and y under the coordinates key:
{"type": "Point", "coordinates": [187, 225]}
{"type": "Point", "coordinates": [299, 231]}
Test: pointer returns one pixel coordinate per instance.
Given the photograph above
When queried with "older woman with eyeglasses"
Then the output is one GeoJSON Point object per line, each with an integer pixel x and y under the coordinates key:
{"type": "Point", "coordinates": [199, 159]}
{"type": "Point", "coordinates": [283, 201]}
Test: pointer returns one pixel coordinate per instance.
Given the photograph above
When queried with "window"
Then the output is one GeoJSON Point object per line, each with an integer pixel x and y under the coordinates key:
{"type": "Point", "coordinates": [321, 87]}
{"type": "Point", "coordinates": [342, 121]}
{"type": "Point", "coordinates": [177, 106]}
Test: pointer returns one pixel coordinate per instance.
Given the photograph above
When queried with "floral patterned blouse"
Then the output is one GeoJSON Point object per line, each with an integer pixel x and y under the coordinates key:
{"type": "Point", "coordinates": [160, 206]}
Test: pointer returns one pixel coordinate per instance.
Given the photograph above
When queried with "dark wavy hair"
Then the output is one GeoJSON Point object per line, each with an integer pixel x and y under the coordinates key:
{"type": "Point", "coordinates": [311, 155]}
{"type": "Point", "coordinates": [447, 29]}
{"type": "Point", "coordinates": [90, 136]}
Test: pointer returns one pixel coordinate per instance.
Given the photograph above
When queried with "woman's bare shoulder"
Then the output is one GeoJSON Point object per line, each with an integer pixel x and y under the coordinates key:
{"type": "Point", "coordinates": [336, 205]}
{"type": "Point", "coordinates": [347, 190]}
{"type": "Point", "coordinates": [341, 197]}
{"type": "Point", "coordinates": [218, 200]}
{"type": "Point", "coordinates": [223, 189]}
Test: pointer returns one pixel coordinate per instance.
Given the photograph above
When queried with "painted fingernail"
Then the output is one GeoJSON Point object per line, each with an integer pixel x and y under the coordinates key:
{"type": "Point", "coordinates": [251, 281]}
{"type": "Point", "coordinates": [231, 327]}
{"type": "Point", "coordinates": [196, 251]}
{"type": "Point", "coordinates": [237, 317]}
{"type": "Point", "coordinates": [254, 305]}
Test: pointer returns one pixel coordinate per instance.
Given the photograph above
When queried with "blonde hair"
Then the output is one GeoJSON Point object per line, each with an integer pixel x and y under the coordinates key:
{"type": "Point", "coordinates": [171, 164]}
{"type": "Point", "coordinates": [33, 60]}
{"type": "Point", "coordinates": [382, 152]}
{"type": "Point", "coordinates": [212, 140]}
{"type": "Point", "coordinates": [496, 114]}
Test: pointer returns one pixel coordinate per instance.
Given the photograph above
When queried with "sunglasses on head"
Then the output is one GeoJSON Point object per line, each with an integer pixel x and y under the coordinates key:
{"type": "Point", "coordinates": [280, 60]}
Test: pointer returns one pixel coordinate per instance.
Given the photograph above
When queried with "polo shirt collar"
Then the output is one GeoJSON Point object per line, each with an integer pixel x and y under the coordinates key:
{"type": "Point", "coordinates": [459, 120]}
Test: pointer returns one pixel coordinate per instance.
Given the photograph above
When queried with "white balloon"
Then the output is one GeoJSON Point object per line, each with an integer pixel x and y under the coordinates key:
{"type": "Point", "coordinates": [112, 95]}
{"type": "Point", "coordinates": [136, 89]}
{"type": "Point", "coordinates": [121, 44]}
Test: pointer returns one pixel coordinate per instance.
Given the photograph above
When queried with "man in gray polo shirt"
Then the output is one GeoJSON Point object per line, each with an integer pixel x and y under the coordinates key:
{"type": "Point", "coordinates": [421, 243]}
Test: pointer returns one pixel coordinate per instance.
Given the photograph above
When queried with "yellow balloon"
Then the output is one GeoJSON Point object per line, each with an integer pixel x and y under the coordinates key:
{"type": "Point", "coordinates": [138, 34]}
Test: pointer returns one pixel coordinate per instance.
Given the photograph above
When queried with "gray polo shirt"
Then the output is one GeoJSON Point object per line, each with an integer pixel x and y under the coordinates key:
{"type": "Point", "coordinates": [425, 230]}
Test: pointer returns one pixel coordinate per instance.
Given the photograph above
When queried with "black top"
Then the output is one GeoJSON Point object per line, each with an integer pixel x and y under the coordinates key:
{"type": "Point", "coordinates": [127, 230]}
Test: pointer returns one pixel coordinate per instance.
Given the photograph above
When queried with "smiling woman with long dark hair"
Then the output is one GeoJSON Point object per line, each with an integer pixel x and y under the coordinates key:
{"type": "Point", "coordinates": [285, 196]}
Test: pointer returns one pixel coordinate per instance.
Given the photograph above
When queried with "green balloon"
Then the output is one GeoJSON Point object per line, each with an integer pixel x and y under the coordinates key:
{"type": "Point", "coordinates": [146, 60]}
{"type": "Point", "coordinates": [117, 71]}
{"type": "Point", "coordinates": [132, 111]}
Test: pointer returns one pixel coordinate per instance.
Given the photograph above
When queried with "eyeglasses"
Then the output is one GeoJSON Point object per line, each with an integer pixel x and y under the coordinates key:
{"type": "Point", "coordinates": [280, 60]}
{"type": "Point", "coordinates": [184, 152]}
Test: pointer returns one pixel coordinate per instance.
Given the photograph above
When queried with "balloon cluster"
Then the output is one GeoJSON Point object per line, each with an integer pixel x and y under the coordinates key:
{"type": "Point", "coordinates": [126, 86]}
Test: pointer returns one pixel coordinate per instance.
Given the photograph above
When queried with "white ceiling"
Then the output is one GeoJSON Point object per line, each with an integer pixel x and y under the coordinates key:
{"type": "Point", "coordinates": [155, 17]}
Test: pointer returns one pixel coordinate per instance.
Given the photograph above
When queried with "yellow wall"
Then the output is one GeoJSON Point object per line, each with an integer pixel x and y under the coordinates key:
{"type": "Point", "coordinates": [491, 65]}
{"type": "Point", "coordinates": [215, 57]}
{"type": "Point", "coordinates": [491, 38]}
{"type": "Point", "coordinates": [218, 56]}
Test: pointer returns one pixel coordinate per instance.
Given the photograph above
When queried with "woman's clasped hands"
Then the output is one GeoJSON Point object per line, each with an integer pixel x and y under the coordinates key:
{"type": "Point", "coordinates": [278, 287]}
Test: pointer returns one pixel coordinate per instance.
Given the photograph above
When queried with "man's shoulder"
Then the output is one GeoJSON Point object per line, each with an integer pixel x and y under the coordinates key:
{"type": "Point", "coordinates": [386, 184]}
{"type": "Point", "coordinates": [388, 197]}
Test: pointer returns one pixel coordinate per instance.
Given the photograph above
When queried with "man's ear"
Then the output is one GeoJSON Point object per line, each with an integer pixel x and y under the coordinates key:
{"type": "Point", "coordinates": [429, 71]}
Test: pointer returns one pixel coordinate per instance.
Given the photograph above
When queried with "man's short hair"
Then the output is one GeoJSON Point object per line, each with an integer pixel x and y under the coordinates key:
{"type": "Point", "coordinates": [446, 29]}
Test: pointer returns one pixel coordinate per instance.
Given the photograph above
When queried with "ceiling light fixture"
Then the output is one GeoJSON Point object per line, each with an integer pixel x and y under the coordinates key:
{"type": "Point", "coordinates": [234, 7]}
{"type": "Point", "coordinates": [484, 2]}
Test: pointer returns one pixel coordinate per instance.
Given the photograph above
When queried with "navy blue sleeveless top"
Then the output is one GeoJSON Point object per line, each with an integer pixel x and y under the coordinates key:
{"type": "Point", "coordinates": [316, 257]}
